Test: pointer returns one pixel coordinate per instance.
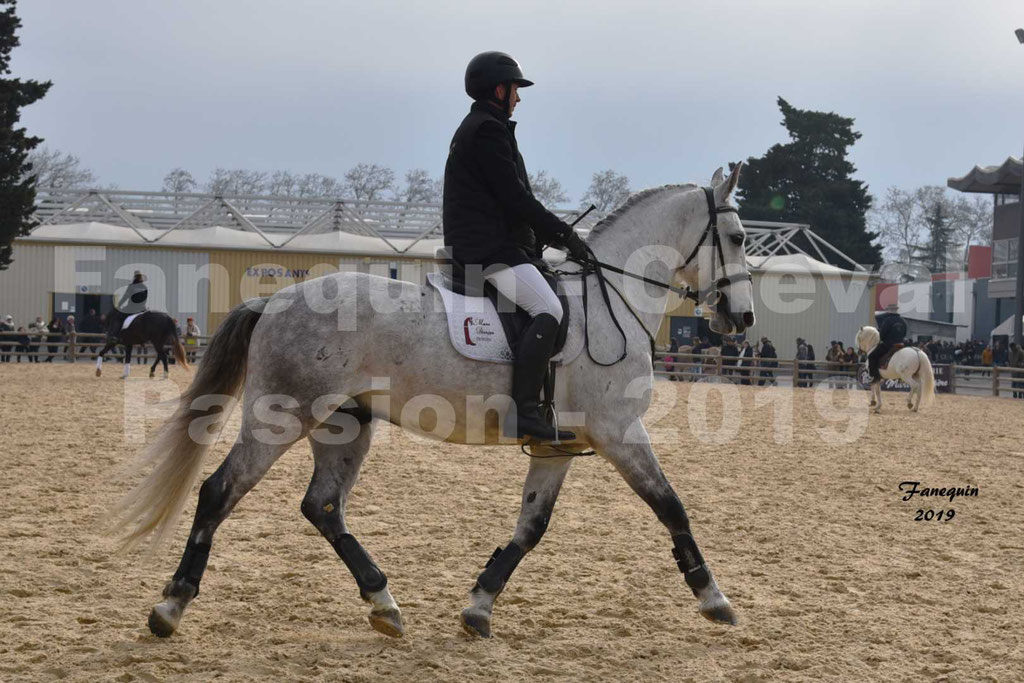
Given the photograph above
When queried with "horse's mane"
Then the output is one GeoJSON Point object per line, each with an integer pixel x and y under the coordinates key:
{"type": "Point", "coordinates": [611, 219]}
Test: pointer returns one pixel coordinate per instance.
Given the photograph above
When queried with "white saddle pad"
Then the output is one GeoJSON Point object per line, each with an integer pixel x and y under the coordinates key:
{"type": "Point", "coordinates": [129, 320]}
{"type": "Point", "coordinates": [476, 331]}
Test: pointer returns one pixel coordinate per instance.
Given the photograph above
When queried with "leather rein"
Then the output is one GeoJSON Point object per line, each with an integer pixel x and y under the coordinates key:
{"type": "Point", "coordinates": [714, 295]}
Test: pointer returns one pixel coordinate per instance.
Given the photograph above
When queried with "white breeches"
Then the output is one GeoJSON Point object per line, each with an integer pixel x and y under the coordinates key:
{"type": "Point", "coordinates": [527, 288]}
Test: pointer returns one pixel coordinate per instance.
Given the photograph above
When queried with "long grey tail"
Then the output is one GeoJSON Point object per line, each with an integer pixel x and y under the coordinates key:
{"type": "Point", "coordinates": [153, 507]}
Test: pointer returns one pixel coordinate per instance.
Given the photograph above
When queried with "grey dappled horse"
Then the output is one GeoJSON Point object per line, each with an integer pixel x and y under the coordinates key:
{"type": "Point", "coordinates": [305, 377]}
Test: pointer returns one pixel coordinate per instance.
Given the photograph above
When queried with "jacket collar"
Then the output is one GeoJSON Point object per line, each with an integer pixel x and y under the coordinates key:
{"type": "Point", "coordinates": [492, 110]}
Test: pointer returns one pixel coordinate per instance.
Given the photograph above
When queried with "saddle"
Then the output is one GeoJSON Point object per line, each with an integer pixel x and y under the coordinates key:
{"type": "Point", "coordinates": [883, 362]}
{"type": "Point", "coordinates": [471, 318]}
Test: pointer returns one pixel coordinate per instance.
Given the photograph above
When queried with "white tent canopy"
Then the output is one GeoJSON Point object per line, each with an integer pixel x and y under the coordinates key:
{"type": "Point", "coordinates": [1005, 327]}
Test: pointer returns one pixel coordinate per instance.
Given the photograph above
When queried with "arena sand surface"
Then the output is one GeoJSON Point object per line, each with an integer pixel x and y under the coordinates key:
{"type": "Point", "coordinates": [831, 576]}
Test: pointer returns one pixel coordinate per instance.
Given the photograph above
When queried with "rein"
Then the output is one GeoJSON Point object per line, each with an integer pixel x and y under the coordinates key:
{"type": "Point", "coordinates": [592, 266]}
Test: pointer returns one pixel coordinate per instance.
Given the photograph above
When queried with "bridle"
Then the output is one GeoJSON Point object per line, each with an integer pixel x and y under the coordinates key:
{"type": "Point", "coordinates": [714, 294]}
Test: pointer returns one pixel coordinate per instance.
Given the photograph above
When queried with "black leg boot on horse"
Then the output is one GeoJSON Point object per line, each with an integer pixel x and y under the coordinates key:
{"type": "Point", "coordinates": [531, 365]}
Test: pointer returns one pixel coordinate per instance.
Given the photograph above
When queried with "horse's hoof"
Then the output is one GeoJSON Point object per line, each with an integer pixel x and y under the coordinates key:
{"type": "Point", "coordinates": [98, 372]}
{"type": "Point", "coordinates": [721, 614]}
{"type": "Point", "coordinates": [163, 620]}
{"type": "Point", "coordinates": [476, 622]}
{"type": "Point", "coordinates": [152, 375]}
{"type": "Point", "coordinates": [388, 621]}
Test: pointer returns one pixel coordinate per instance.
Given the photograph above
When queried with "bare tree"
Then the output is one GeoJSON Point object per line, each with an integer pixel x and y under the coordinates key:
{"type": "Point", "coordinates": [607, 190]}
{"type": "Point", "coordinates": [547, 189]}
{"type": "Point", "coordinates": [56, 170]}
{"type": "Point", "coordinates": [179, 180]}
{"type": "Point", "coordinates": [419, 187]}
{"type": "Point", "coordinates": [318, 185]}
{"type": "Point", "coordinates": [236, 181]}
{"type": "Point", "coordinates": [898, 224]}
{"type": "Point", "coordinates": [975, 221]}
{"type": "Point", "coordinates": [281, 183]}
{"type": "Point", "coordinates": [369, 181]}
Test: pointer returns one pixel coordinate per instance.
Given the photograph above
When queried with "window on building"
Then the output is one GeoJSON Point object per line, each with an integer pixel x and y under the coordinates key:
{"type": "Point", "coordinates": [1004, 258]}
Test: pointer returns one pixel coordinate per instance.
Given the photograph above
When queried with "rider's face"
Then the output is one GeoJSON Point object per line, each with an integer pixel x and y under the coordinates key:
{"type": "Point", "coordinates": [513, 100]}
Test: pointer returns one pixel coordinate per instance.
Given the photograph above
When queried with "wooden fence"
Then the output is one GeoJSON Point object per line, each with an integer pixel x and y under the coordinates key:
{"type": "Point", "coordinates": [682, 367]}
{"type": "Point", "coordinates": [960, 379]}
{"type": "Point", "coordinates": [77, 346]}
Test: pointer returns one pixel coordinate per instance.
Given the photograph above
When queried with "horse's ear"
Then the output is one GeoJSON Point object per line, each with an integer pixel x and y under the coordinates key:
{"type": "Point", "coordinates": [717, 177]}
{"type": "Point", "coordinates": [726, 186]}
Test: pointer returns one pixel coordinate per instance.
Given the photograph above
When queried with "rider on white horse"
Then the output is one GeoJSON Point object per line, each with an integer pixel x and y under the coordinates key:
{"type": "Point", "coordinates": [493, 222]}
{"type": "Point", "coordinates": [892, 329]}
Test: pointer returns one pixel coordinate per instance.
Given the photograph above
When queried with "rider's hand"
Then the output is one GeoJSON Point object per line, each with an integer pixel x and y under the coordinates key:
{"type": "Point", "coordinates": [575, 245]}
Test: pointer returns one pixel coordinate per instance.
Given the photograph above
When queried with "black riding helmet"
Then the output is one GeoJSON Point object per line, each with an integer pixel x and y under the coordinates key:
{"type": "Point", "coordinates": [488, 69]}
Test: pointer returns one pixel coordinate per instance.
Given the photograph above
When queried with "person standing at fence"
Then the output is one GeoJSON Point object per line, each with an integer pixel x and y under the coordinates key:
{"type": "Point", "coordinates": [768, 354]}
{"type": "Point", "coordinates": [745, 360]}
{"type": "Point", "coordinates": [1017, 363]}
{"type": "Point", "coordinates": [6, 340]}
{"type": "Point", "coordinates": [800, 361]}
{"type": "Point", "coordinates": [37, 330]}
{"type": "Point", "coordinates": [730, 352]}
{"type": "Point", "coordinates": [54, 336]}
{"type": "Point", "coordinates": [71, 335]}
{"type": "Point", "coordinates": [673, 347]}
{"type": "Point", "coordinates": [192, 334]}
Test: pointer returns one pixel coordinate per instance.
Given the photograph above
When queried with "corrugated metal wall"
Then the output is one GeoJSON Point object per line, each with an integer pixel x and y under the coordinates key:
{"type": "Point", "coordinates": [26, 285]}
{"type": "Point", "coordinates": [175, 278]}
{"type": "Point", "coordinates": [809, 306]}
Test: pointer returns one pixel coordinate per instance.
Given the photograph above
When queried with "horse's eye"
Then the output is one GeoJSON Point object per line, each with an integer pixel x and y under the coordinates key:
{"type": "Point", "coordinates": [737, 240]}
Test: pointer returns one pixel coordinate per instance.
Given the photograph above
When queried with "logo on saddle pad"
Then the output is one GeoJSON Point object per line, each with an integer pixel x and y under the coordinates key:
{"type": "Point", "coordinates": [479, 327]}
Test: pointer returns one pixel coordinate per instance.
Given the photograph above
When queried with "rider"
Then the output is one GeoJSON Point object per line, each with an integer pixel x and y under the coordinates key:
{"type": "Point", "coordinates": [891, 331]}
{"type": "Point", "coordinates": [132, 301]}
{"type": "Point", "coordinates": [492, 221]}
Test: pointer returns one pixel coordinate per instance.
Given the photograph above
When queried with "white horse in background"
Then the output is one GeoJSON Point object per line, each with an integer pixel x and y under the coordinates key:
{"type": "Point", "coordinates": [909, 364]}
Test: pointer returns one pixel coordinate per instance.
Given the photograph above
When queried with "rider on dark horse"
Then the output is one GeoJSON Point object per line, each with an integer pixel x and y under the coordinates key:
{"type": "Point", "coordinates": [132, 301]}
{"type": "Point", "coordinates": [492, 221]}
{"type": "Point", "coordinates": [891, 331]}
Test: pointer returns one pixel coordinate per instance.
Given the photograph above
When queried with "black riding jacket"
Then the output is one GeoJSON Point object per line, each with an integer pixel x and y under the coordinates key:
{"type": "Point", "coordinates": [489, 213]}
{"type": "Point", "coordinates": [134, 298]}
{"type": "Point", "coordinates": [891, 328]}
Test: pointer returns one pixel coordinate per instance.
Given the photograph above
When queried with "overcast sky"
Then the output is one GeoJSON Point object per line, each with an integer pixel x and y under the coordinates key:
{"type": "Point", "coordinates": [661, 91]}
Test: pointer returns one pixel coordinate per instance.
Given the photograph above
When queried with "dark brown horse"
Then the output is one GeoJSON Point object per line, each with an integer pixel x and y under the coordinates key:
{"type": "Point", "coordinates": [148, 327]}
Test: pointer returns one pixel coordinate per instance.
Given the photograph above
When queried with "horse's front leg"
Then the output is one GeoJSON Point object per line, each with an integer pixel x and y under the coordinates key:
{"type": "Point", "coordinates": [638, 465]}
{"type": "Point", "coordinates": [876, 396]}
{"type": "Point", "coordinates": [127, 361]}
{"type": "Point", "coordinates": [543, 482]}
{"type": "Point", "coordinates": [99, 358]}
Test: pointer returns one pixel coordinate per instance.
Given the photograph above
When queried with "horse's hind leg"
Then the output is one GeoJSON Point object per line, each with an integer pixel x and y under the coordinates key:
{"type": "Point", "coordinates": [639, 467]}
{"type": "Point", "coordinates": [543, 482]}
{"type": "Point", "coordinates": [915, 390]}
{"type": "Point", "coordinates": [335, 469]}
{"type": "Point", "coordinates": [152, 368]}
{"type": "Point", "coordinates": [245, 465]}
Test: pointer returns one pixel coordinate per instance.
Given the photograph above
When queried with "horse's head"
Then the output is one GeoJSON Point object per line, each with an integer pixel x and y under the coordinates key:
{"type": "Point", "coordinates": [719, 271]}
{"type": "Point", "coordinates": [867, 338]}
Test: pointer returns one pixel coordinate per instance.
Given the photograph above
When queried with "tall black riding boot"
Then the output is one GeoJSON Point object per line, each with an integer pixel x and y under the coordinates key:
{"type": "Point", "coordinates": [528, 373]}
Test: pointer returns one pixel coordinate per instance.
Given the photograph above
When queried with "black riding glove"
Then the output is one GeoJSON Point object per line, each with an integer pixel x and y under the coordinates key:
{"type": "Point", "coordinates": [575, 245]}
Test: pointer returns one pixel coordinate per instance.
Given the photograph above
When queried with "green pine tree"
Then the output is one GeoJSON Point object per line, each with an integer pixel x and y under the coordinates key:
{"type": "Point", "coordinates": [17, 187]}
{"type": "Point", "coordinates": [809, 180]}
